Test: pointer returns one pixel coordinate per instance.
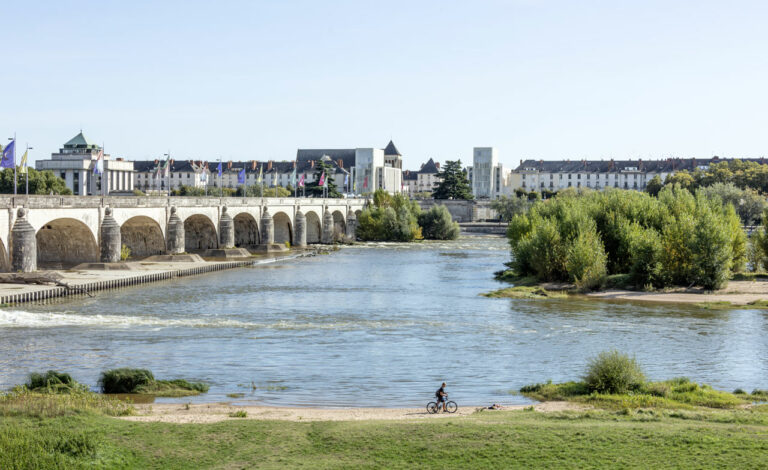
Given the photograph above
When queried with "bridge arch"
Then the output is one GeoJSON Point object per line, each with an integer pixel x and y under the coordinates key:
{"type": "Point", "coordinates": [143, 236]}
{"type": "Point", "coordinates": [4, 261]}
{"type": "Point", "coordinates": [283, 229]}
{"type": "Point", "coordinates": [339, 225]}
{"type": "Point", "coordinates": [199, 233]}
{"type": "Point", "coordinates": [246, 230]}
{"type": "Point", "coordinates": [357, 213]}
{"type": "Point", "coordinates": [314, 227]}
{"type": "Point", "coordinates": [64, 243]}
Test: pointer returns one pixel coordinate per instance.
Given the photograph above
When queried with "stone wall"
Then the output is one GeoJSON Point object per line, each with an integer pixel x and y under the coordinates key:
{"type": "Point", "coordinates": [463, 211]}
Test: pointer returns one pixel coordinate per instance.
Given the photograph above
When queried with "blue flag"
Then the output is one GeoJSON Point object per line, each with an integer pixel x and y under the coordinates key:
{"type": "Point", "coordinates": [219, 169]}
{"type": "Point", "coordinates": [241, 177]}
{"type": "Point", "coordinates": [9, 155]}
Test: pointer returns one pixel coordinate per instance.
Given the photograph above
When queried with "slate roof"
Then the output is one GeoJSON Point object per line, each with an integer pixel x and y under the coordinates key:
{"type": "Point", "coordinates": [251, 166]}
{"type": "Point", "coordinates": [605, 166]}
{"type": "Point", "coordinates": [410, 175]}
{"type": "Point", "coordinates": [390, 149]}
{"type": "Point", "coordinates": [429, 167]}
{"type": "Point", "coordinates": [80, 141]}
{"type": "Point", "coordinates": [305, 156]}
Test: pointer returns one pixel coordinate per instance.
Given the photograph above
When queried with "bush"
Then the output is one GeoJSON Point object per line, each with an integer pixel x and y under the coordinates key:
{"type": "Point", "coordinates": [53, 382]}
{"type": "Point", "coordinates": [391, 218]}
{"type": "Point", "coordinates": [613, 372]}
{"type": "Point", "coordinates": [125, 252]}
{"type": "Point", "coordinates": [124, 380]}
{"type": "Point", "coordinates": [437, 224]}
{"type": "Point", "coordinates": [585, 260]}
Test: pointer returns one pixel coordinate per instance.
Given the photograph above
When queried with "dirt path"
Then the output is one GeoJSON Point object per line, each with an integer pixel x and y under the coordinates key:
{"type": "Point", "coordinates": [215, 412]}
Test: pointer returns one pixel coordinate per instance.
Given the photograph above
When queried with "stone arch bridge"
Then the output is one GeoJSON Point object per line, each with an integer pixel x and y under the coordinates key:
{"type": "Point", "coordinates": [62, 231]}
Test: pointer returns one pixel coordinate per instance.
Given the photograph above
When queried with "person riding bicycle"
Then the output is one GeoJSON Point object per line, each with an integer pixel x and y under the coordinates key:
{"type": "Point", "coordinates": [440, 395]}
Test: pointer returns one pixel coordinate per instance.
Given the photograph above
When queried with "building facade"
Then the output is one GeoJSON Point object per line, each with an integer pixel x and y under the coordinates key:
{"type": "Point", "coordinates": [76, 161]}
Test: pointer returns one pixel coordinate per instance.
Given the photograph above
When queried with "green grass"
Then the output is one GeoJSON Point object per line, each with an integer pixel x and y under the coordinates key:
{"type": "Point", "coordinates": [678, 393]}
{"type": "Point", "coordinates": [172, 388]}
{"type": "Point", "coordinates": [526, 292]}
{"type": "Point", "coordinates": [54, 382]}
{"type": "Point", "coordinates": [239, 414]}
{"type": "Point", "coordinates": [503, 439]}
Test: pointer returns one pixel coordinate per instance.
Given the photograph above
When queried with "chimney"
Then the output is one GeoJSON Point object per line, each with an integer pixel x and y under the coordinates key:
{"type": "Point", "coordinates": [340, 162]}
{"type": "Point", "coordinates": [311, 163]}
{"type": "Point", "coordinates": [437, 165]}
{"type": "Point", "coordinates": [157, 161]}
{"type": "Point", "coordinates": [253, 165]}
{"type": "Point", "coordinates": [294, 164]}
{"type": "Point", "coordinates": [612, 164]}
{"type": "Point", "coordinates": [229, 165]}
{"type": "Point", "coordinates": [170, 163]}
{"type": "Point", "coordinates": [269, 165]}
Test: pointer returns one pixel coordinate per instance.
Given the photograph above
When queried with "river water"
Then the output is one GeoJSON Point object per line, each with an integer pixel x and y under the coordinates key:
{"type": "Point", "coordinates": [372, 325]}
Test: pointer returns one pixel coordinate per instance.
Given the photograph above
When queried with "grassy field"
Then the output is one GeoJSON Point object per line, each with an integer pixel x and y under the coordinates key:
{"type": "Point", "coordinates": [489, 439]}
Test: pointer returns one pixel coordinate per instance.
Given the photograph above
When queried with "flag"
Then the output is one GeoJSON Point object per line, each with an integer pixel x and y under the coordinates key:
{"type": "Point", "coordinates": [204, 176]}
{"type": "Point", "coordinates": [9, 156]}
{"type": "Point", "coordinates": [23, 163]}
{"type": "Point", "coordinates": [293, 177]}
{"type": "Point", "coordinates": [220, 170]}
{"type": "Point", "coordinates": [365, 183]}
{"type": "Point", "coordinates": [301, 180]}
{"type": "Point", "coordinates": [167, 167]}
{"type": "Point", "coordinates": [261, 174]}
{"type": "Point", "coordinates": [241, 177]}
{"type": "Point", "coordinates": [346, 179]}
{"type": "Point", "coordinates": [98, 168]}
{"type": "Point", "coordinates": [322, 180]}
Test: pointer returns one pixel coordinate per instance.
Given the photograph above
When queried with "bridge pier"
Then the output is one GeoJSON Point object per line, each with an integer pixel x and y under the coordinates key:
{"type": "Point", "coordinates": [327, 237]}
{"type": "Point", "coordinates": [111, 240]}
{"type": "Point", "coordinates": [351, 226]}
{"type": "Point", "coordinates": [226, 230]}
{"type": "Point", "coordinates": [23, 245]}
{"type": "Point", "coordinates": [267, 228]}
{"type": "Point", "coordinates": [300, 229]}
{"type": "Point", "coordinates": [175, 234]}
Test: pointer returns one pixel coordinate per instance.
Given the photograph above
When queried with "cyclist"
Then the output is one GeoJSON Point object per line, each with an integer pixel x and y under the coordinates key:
{"type": "Point", "coordinates": [440, 395]}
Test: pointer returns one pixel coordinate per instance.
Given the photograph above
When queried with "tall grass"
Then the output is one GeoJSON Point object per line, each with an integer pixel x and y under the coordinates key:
{"type": "Point", "coordinates": [613, 372]}
{"type": "Point", "coordinates": [23, 402]}
{"type": "Point", "coordinates": [53, 382]}
{"type": "Point", "coordinates": [142, 381]}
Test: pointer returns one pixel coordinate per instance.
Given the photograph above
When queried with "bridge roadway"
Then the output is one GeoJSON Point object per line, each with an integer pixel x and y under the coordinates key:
{"type": "Point", "coordinates": [62, 231]}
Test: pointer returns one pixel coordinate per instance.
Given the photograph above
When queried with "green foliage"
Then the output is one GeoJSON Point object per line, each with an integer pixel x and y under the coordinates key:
{"type": "Point", "coordinates": [255, 191]}
{"type": "Point", "coordinates": [508, 207]}
{"type": "Point", "coordinates": [124, 380]}
{"type": "Point", "coordinates": [40, 182]}
{"type": "Point", "coordinates": [437, 224]}
{"type": "Point", "coordinates": [125, 252]}
{"type": "Point", "coordinates": [654, 186]}
{"type": "Point", "coordinates": [390, 218]}
{"type": "Point", "coordinates": [314, 189]}
{"type": "Point", "coordinates": [138, 192]}
{"type": "Point", "coordinates": [675, 239]}
{"type": "Point", "coordinates": [185, 190]}
{"type": "Point", "coordinates": [42, 403]}
{"type": "Point", "coordinates": [239, 414]}
{"type": "Point", "coordinates": [453, 182]}
{"type": "Point", "coordinates": [613, 372]}
{"type": "Point", "coordinates": [53, 382]}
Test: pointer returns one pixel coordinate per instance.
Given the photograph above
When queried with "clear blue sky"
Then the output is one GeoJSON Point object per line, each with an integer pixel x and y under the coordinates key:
{"type": "Point", "coordinates": [259, 79]}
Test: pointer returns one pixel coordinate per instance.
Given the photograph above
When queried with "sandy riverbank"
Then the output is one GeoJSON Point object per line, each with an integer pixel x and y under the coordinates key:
{"type": "Point", "coordinates": [215, 412]}
{"type": "Point", "coordinates": [737, 293]}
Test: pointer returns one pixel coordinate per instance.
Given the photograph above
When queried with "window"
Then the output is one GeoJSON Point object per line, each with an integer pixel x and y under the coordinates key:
{"type": "Point", "coordinates": [569, 177]}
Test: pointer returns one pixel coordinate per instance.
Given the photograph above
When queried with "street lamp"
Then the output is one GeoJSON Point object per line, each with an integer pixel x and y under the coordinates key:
{"type": "Point", "coordinates": [26, 169]}
{"type": "Point", "coordinates": [168, 169]}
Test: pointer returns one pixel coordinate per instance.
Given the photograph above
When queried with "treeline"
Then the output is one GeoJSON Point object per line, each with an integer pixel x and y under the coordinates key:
{"type": "Point", "coordinates": [742, 174]}
{"type": "Point", "coordinates": [397, 218]}
{"type": "Point", "coordinates": [40, 182]}
{"type": "Point", "coordinates": [675, 239]}
{"type": "Point", "coordinates": [240, 191]}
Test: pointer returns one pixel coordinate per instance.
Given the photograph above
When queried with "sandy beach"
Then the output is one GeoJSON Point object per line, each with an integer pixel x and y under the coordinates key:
{"type": "Point", "coordinates": [737, 293]}
{"type": "Point", "coordinates": [215, 412]}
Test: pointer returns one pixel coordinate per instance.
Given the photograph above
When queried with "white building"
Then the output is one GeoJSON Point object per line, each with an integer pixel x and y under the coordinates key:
{"type": "Point", "coordinates": [75, 163]}
{"type": "Point", "coordinates": [488, 177]}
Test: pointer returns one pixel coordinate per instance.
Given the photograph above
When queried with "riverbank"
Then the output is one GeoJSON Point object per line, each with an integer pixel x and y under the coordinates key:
{"type": "Point", "coordinates": [739, 293]}
{"type": "Point", "coordinates": [81, 282]}
{"type": "Point", "coordinates": [215, 412]}
{"type": "Point", "coordinates": [492, 439]}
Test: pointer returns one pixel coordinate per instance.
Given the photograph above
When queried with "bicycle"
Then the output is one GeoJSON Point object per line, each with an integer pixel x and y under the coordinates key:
{"type": "Point", "coordinates": [449, 406]}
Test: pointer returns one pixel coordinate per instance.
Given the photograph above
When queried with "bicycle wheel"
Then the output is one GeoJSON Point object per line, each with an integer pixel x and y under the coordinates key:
{"type": "Point", "coordinates": [451, 407]}
{"type": "Point", "coordinates": [432, 407]}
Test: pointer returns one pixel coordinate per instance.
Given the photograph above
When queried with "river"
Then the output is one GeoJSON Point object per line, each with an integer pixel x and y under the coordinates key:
{"type": "Point", "coordinates": [372, 325]}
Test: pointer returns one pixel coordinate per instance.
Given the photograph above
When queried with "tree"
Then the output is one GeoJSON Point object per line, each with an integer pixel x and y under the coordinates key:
{"type": "Point", "coordinates": [508, 207]}
{"type": "Point", "coordinates": [437, 224]}
{"type": "Point", "coordinates": [454, 183]}
{"type": "Point", "coordinates": [654, 186]}
{"type": "Point", "coordinates": [314, 189]}
{"type": "Point", "coordinates": [40, 182]}
{"type": "Point", "coordinates": [682, 177]}
{"type": "Point", "coordinates": [390, 218]}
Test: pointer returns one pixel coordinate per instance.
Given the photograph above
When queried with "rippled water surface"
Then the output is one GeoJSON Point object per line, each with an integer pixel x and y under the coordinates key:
{"type": "Point", "coordinates": [373, 325]}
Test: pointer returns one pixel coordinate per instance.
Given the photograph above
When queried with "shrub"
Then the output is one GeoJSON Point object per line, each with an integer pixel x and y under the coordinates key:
{"type": "Point", "coordinates": [585, 259]}
{"type": "Point", "coordinates": [125, 252]}
{"type": "Point", "coordinates": [53, 382]}
{"type": "Point", "coordinates": [239, 414]}
{"type": "Point", "coordinates": [613, 372]}
{"type": "Point", "coordinates": [124, 380]}
{"type": "Point", "coordinates": [391, 218]}
{"type": "Point", "coordinates": [437, 224]}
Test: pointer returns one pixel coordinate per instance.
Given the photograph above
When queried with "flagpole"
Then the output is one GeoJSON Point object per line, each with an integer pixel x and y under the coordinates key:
{"type": "Point", "coordinates": [168, 168]}
{"type": "Point", "coordinates": [26, 171]}
{"type": "Point", "coordinates": [14, 163]}
{"type": "Point", "coordinates": [220, 171]}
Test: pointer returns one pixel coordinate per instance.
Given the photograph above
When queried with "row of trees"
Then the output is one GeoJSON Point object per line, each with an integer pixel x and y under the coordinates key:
{"type": "Point", "coordinates": [742, 174]}
{"type": "Point", "coordinates": [396, 218]}
{"type": "Point", "coordinates": [40, 182]}
{"type": "Point", "coordinates": [677, 238]}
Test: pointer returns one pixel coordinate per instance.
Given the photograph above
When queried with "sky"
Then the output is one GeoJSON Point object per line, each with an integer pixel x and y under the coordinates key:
{"type": "Point", "coordinates": [245, 80]}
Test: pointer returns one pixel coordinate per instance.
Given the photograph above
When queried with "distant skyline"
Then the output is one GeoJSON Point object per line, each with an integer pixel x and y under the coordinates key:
{"type": "Point", "coordinates": [247, 80]}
